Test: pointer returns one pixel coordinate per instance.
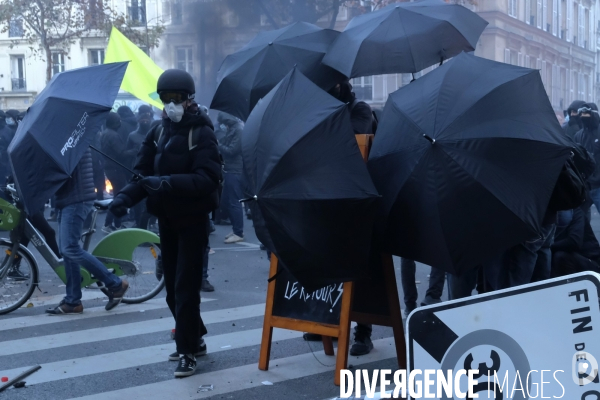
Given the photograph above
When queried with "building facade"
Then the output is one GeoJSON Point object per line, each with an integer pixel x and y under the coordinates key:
{"type": "Point", "coordinates": [559, 37]}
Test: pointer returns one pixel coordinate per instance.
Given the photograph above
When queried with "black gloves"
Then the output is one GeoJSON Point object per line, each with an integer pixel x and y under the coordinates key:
{"type": "Point", "coordinates": [156, 184]}
{"type": "Point", "coordinates": [118, 207]}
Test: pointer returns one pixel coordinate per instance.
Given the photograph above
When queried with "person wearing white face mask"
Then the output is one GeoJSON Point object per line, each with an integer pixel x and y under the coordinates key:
{"type": "Point", "coordinates": [181, 169]}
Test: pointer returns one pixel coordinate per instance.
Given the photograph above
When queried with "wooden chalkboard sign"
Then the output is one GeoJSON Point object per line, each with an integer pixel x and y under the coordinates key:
{"type": "Point", "coordinates": [329, 310]}
{"type": "Point", "coordinates": [293, 301]}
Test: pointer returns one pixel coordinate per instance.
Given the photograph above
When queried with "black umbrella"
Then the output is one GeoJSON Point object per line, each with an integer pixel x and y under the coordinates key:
{"type": "Point", "coordinates": [466, 159]}
{"type": "Point", "coordinates": [311, 184]}
{"type": "Point", "coordinates": [58, 128]}
{"type": "Point", "coordinates": [250, 73]}
{"type": "Point", "coordinates": [404, 37]}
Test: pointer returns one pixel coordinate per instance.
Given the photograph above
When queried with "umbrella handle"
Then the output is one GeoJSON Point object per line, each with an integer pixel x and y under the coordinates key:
{"type": "Point", "coordinates": [248, 199]}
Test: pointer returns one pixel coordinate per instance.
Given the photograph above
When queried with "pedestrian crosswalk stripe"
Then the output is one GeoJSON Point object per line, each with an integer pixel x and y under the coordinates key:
{"type": "Point", "coordinates": [242, 377]}
{"type": "Point", "coordinates": [38, 301]}
{"type": "Point", "coordinates": [94, 312]}
{"type": "Point", "coordinates": [97, 364]}
{"type": "Point", "coordinates": [119, 331]}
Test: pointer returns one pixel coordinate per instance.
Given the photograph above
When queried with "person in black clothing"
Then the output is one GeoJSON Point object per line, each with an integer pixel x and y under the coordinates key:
{"type": "Point", "coordinates": [574, 125]}
{"type": "Point", "coordinates": [114, 145]}
{"type": "Point", "coordinates": [589, 138]}
{"type": "Point", "coordinates": [361, 117]}
{"type": "Point", "coordinates": [181, 167]}
{"type": "Point", "coordinates": [575, 247]}
{"type": "Point", "coordinates": [361, 114]}
{"type": "Point", "coordinates": [129, 122]}
{"type": "Point", "coordinates": [134, 143]}
{"type": "Point", "coordinates": [6, 136]}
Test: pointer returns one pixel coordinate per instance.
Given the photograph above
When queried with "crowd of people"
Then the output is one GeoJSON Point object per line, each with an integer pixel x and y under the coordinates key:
{"type": "Point", "coordinates": [191, 175]}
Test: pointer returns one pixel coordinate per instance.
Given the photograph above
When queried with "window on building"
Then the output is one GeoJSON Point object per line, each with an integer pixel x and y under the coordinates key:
{"type": "Point", "coordinates": [96, 56]}
{"type": "Point", "coordinates": [580, 25]}
{"type": "Point", "coordinates": [15, 27]}
{"type": "Point", "coordinates": [528, 14]}
{"type": "Point", "coordinates": [184, 59]}
{"type": "Point", "coordinates": [58, 62]}
{"type": "Point", "coordinates": [17, 73]}
{"type": "Point", "coordinates": [137, 11]}
{"type": "Point", "coordinates": [363, 88]}
{"type": "Point", "coordinates": [512, 8]}
{"type": "Point", "coordinates": [538, 14]}
{"type": "Point", "coordinates": [176, 12]}
{"type": "Point", "coordinates": [545, 15]}
{"type": "Point", "coordinates": [555, 4]}
{"type": "Point", "coordinates": [568, 20]}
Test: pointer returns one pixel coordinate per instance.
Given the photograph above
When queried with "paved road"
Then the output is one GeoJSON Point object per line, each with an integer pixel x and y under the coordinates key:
{"type": "Point", "coordinates": [123, 353]}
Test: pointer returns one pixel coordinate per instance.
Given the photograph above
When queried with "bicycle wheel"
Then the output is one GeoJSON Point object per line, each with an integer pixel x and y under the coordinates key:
{"type": "Point", "coordinates": [144, 284]}
{"type": "Point", "coordinates": [20, 277]}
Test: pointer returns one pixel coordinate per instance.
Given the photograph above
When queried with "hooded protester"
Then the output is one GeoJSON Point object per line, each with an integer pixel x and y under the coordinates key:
{"type": "Point", "coordinates": [589, 138]}
{"type": "Point", "coordinates": [230, 147]}
{"type": "Point", "coordinates": [145, 119]}
{"type": "Point", "coordinates": [12, 119]}
{"type": "Point", "coordinates": [128, 120]}
{"type": "Point", "coordinates": [361, 115]}
{"type": "Point", "coordinates": [573, 125]}
{"type": "Point", "coordinates": [136, 137]}
{"type": "Point", "coordinates": [180, 163]}
{"type": "Point", "coordinates": [113, 143]}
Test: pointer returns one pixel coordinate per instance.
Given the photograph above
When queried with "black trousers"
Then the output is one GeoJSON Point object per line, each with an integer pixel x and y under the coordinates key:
{"type": "Point", "coordinates": [182, 257]}
{"type": "Point", "coordinates": [39, 222]}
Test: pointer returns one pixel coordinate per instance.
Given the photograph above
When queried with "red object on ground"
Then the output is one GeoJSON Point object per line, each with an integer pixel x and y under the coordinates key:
{"type": "Point", "coordinates": [5, 379]}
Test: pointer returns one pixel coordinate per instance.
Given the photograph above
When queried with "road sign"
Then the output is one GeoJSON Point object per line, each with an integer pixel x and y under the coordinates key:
{"type": "Point", "coordinates": [535, 341]}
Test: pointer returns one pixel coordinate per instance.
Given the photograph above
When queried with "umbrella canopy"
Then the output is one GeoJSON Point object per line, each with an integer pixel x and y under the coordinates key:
{"type": "Point", "coordinates": [250, 73]}
{"type": "Point", "coordinates": [58, 128]}
{"type": "Point", "coordinates": [311, 184]}
{"type": "Point", "coordinates": [466, 159]}
{"type": "Point", "coordinates": [404, 37]}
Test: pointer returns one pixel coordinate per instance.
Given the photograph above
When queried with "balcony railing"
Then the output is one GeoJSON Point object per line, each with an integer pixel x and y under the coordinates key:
{"type": "Point", "coordinates": [19, 85]}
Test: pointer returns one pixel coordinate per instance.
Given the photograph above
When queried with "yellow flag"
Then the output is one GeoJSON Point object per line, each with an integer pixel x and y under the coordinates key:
{"type": "Point", "coordinates": [142, 73]}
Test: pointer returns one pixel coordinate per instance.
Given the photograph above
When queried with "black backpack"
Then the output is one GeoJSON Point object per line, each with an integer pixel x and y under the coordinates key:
{"type": "Point", "coordinates": [193, 139]}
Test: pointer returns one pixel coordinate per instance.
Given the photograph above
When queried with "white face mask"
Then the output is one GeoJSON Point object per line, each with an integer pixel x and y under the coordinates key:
{"type": "Point", "coordinates": [174, 111]}
{"type": "Point", "coordinates": [10, 121]}
{"type": "Point", "coordinates": [223, 127]}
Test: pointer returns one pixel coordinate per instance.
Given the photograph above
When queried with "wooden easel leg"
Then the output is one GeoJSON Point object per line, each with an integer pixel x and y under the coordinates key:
{"type": "Point", "coordinates": [267, 334]}
{"type": "Point", "coordinates": [327, 345]}
{"type": "Point", "coordinates": [394, 306]}
{"type": "Point", "coordinates": [344, 335]}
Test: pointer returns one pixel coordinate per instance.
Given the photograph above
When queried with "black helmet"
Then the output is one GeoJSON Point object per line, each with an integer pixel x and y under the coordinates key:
{"type": "Point", "coordinates": [176, 80]}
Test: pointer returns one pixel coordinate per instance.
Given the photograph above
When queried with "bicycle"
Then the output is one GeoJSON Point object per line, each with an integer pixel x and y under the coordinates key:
{"type": "Point", "coordinates": [134, 253]}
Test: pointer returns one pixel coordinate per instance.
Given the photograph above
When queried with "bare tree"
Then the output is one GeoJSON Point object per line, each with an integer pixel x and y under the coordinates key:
{"type": "Point", "coordinates": [51, 25]}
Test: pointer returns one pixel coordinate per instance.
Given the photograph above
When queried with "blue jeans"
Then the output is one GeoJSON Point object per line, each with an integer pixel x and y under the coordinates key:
{"type": "Point", "coordinates": [232, 193]}
{"type": "Point", "coordinates": [70, 227]}
{"type": "Point", "coordinates": [594, 198]}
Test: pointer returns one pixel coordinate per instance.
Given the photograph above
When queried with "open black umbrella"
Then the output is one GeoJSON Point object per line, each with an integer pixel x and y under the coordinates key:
{"type": "Point", "coordinates": [466, 159]}
{"type": "Point", "coordinates": [250, 73]}
{"type": "Point", "coordinates": [311, 184]}
{"type": "Point", "coordinates": [58, 128]}
{"type": "Point", "coordinates": [404, 38]}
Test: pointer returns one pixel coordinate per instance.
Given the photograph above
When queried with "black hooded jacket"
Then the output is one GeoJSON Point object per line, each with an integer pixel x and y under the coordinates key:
{"type": "Point", "coordinates": [589, 138]}
{"type": "Point", "coordinates": [574, 124]}
{"type": "Point", "coordinates": [194, 173]}
{"type": "Point", "coordinates": [361, 115]}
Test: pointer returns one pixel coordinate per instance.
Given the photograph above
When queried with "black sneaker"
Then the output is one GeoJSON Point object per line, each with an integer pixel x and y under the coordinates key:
{"type": "Point", "coordinates": [200, 352]}
{"type": "Point", "coordinates": [206, 286]}
{"type": "Point", "coordinates": [408, 309]}
{"type": "Point", "coordinates": [186, 366]}
{"type": "Point", "coordinates": [362, 343]}
{"type": "Point", "coordinates": [16, 275]}
{"type": "Point", "coordinates": [115, 297]}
